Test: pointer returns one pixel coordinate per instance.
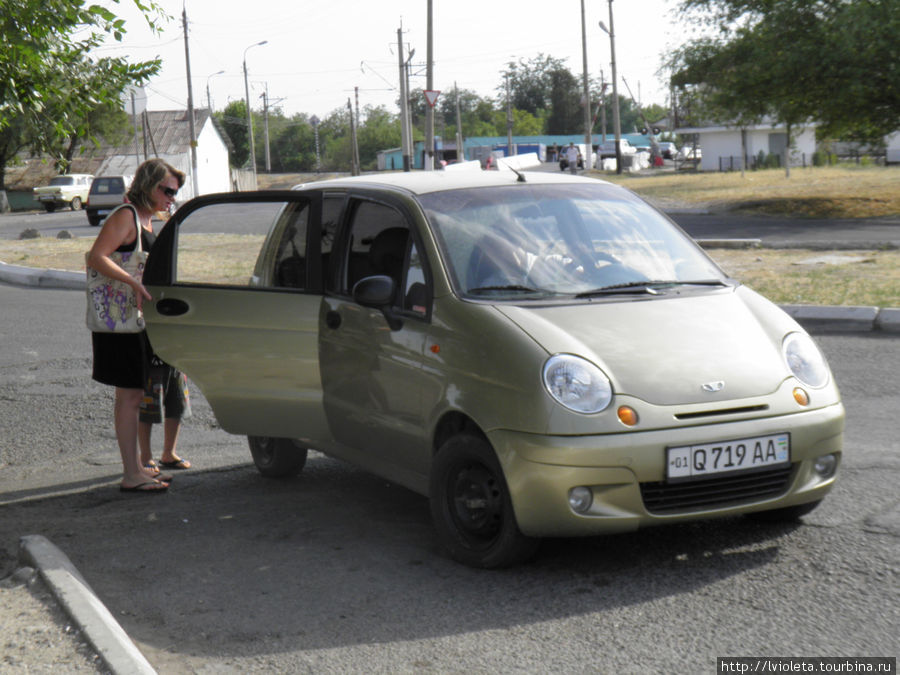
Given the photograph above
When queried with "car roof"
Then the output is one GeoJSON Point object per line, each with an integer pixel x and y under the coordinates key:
{"type": "Point", "coordinates": [423, 182]}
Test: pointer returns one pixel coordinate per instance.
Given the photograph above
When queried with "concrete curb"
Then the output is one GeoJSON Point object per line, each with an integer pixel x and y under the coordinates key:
{"type": "Point", "coordinates": [79, 601]}
{"type": "Point", "coordinates": [820, 318]}
{"type": "Point", "coordinates": [44, 278]}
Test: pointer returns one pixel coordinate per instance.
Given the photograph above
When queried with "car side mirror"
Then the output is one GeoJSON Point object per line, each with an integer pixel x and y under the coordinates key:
{"type": "Point", "coordinates": [378, 292]}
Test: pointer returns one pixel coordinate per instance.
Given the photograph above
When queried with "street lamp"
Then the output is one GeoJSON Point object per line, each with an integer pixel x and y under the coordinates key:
{"type": "Point", "coordinates": [617, 127]}
{"type": "Point", "coordinates": [588, 152]}
{"type": "Point", "coordinates": [208, 99]}
{"type": "Point", "coordinates": [249, 120]}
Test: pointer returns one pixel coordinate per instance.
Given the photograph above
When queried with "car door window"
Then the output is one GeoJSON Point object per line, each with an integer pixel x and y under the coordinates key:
{"type": "Point", "coordinates": [376, 244]}
{"type": "Point", "coordinates": [218, 244]}
{"type": "Point", "coordinates": [291, 254]}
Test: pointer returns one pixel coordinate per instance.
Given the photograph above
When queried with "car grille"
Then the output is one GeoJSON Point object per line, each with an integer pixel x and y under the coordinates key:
{"type": "Point", "coordinates": [713, 493]}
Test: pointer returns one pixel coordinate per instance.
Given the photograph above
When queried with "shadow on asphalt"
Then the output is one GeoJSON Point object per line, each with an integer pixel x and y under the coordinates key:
{"type": "Point", "coordinates": [231, 564]}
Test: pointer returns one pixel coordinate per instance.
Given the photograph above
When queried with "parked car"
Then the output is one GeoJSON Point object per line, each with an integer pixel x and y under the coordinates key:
{"type": "Point", "coordinates": [106, 193]}
{"type": "Point", "coordinates": [668, 149]}
{"type": "Point", "coordinates": [69, 190]}
{"type": "Point", "coordinates": [541, 355]}
{"type": "Point", "coordinates": [608, 148]}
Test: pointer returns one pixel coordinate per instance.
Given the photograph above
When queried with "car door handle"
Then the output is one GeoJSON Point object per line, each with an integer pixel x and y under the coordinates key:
{"type": "Point", "coordinates": [172, 307]}
{"type": "Point", "coordinates": [332, 319]}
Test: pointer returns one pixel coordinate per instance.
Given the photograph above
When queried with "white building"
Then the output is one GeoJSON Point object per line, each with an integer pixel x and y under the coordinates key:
{"type": "Point", "coordinates": [166, 134]}
{"type": "Point", "coordinates": [721, 145]}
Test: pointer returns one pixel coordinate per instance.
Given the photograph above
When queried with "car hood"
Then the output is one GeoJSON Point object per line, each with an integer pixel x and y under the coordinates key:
{"type": "Point", "coordinates": [664, 350]}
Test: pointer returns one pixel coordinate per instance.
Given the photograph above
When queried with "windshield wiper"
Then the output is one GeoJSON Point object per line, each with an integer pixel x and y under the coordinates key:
{"type": "Point", "coordinates": [511, 287]}
{"type": "Point", "coordinates": [648, 287]}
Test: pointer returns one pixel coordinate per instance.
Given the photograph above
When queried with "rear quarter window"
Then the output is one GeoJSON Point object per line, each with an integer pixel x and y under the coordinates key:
{"type": "Point", "coordinates": [107, 185]}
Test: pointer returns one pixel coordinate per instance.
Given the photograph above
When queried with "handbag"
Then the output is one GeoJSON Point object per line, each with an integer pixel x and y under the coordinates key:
{"type": "Point", "coordinates": [112, 304]}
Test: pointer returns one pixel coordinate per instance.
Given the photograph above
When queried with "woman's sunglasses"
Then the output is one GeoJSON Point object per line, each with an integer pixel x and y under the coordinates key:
{"type": "Point", "coordinates": [168, 192]}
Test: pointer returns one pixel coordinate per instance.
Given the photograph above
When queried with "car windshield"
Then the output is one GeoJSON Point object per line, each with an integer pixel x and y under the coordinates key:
{"type": "Point", "coordinates": [536, 241]}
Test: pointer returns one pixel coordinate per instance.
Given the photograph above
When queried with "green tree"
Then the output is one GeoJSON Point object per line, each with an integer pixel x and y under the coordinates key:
{"type": "Point", "coordinates": [45, 54]}
{"type": "Point", "coordinates": [233, 120]}
{"type": "Point", "coordinates": [379, 131]}
{"type": "Point", "coordinates": [566, 115]}
{"type": "Point", "coordinates": [831, 61]}
{"type": "Point", "coordinates": [530, 83]}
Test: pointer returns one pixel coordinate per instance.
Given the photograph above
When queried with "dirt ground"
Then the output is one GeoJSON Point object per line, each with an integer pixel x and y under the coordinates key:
{"type": "Point", "coordinates": [36, 634]}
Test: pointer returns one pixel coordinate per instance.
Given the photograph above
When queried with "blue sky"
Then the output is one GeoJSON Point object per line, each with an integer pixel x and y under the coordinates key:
{"type": "Point", "coordinates": [318, 51]}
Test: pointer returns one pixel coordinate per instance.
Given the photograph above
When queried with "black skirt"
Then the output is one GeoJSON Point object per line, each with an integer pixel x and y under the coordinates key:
{"type": "Point", "coordinates": [121, 359]}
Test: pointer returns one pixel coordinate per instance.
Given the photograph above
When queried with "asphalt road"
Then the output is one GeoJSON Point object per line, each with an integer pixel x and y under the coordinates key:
{"type": "Point", "coordinates": [773, 231]}
{"type": "Point", "coordinates": [339, 571]}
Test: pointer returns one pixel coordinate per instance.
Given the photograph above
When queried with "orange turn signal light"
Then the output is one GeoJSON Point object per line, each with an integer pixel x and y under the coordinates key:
{"type": "Point", "coordinates": [801, 396]}
{"type": "Point", "coordinates": [627, 415]}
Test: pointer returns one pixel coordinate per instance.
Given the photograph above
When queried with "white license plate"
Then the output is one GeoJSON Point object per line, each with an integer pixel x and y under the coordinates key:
{"type": "Point", "coordinates": [743, 454]}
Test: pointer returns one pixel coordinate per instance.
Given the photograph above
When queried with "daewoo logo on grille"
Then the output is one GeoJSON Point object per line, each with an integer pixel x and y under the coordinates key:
{"type": "Point", "coordinates": [713, 386]}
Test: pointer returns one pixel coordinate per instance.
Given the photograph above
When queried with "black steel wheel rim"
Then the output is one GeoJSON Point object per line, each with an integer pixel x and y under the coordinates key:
{"type": "Point", "coordinates": [476, 504]}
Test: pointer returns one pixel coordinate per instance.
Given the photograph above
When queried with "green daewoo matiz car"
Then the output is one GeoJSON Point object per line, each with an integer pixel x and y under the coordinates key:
{"type": "Point", "coordinates": [540, 354]}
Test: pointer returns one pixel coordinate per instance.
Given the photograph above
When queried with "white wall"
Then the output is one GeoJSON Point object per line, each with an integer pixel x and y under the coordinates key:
{"type": "Point", "coordinates": [716, 143]}
{"type": "Point", "coordinates": [213, 173]}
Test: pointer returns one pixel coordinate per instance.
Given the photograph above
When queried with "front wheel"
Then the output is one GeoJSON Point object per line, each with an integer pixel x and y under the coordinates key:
{"type": "Point", "coordinates": [471, 506]}
{"type": "Point", "coordinates": [75, 204]}
{"type": "Point", "coordinates": [277, 457]}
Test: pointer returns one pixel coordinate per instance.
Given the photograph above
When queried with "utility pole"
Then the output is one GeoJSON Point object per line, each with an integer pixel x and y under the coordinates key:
{"type": "Point", "coordinates": [315, 124]}
{"type": "Point", "coordinates": [602, 107]}
{"type": "Point", "coordinates": [617, 126]}
{"type": "Point", "coordinates": [460, 147]}
{"type": "Point", "coordinates": [356, 140]}
{"type": "Point", "coordinates": [249, 118]}
{"type": "Point", "coordinates": [404, 105]}
{"type": "Point", "coordinates": [509, 121]}
{"type": "Point", "coordinates": [187, 61]}
{"type": "Point", "coordinates": [429, 85]}
{"type": "Point", "coordinates": [588, 149]}
{"type": "Point", "coordinates": [265, 98]}
{"type": "Point", "coordinates": [354, 167]}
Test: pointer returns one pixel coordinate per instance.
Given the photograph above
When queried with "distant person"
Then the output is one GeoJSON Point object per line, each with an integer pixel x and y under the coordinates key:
{"type": "Point", "coordinates": [572, 158]}
{"type": "Point", "coordinates": [122, 360]}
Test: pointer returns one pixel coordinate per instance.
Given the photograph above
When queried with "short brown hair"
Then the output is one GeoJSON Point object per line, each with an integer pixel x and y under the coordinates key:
{"type": "Point", "coordinates": [147, 178]}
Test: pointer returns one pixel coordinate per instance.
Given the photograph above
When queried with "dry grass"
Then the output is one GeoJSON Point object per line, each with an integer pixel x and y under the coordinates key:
{"type": "Point", "coordinates": [816, 192]}
{"type": "Point", "coordinates": [798, 276]}
{"type": "Point", "coordinates": [791, 276]}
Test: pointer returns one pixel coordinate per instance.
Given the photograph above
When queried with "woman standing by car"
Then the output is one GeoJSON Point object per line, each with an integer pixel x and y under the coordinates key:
{"type": "Point", "coordinates": [122, 359]}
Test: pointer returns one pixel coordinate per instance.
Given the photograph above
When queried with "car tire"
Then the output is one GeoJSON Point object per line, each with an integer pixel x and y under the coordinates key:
{"type": "Point", "coordinates": [784, 515]}
{"type": "Point", "coordinates": [277, 457]}
{"type": "Point", "coordinates": [50, 207]}
{"type": "Point", "coordinates": [94, 221]}
{"type": "Point", "coordinates": [471, 506]}
{"type": "Point", "coordinates": [75, 204]}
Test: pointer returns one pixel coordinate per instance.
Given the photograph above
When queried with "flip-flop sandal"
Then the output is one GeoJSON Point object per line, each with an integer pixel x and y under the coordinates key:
{"type": "Point", "coordinates": [179, 464]}
{"type": "Point", "coordinates": [155, 486]}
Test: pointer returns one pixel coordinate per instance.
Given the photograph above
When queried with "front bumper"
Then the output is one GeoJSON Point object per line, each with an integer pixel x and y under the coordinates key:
{"type": "Point", "coordinates": [540, 471]}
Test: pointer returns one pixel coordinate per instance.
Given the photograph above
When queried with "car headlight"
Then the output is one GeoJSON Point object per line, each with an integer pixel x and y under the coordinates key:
{"type": "Point", "coordinates": [577, 383]}
{"type": "Point", "coordinates": [805, 360]}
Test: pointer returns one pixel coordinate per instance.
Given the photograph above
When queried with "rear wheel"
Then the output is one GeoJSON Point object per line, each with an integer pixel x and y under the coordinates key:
{"type": "Point", "coordinates": [787, 514]}
{"type": "Point", "coordinates": [277, 457]}
{"type": "Point", "coordinates": [75, 204]}
{"type": "Point", "coordinates": [50, 206]}
{"type": "Point", "coordinates": [471, 506]}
